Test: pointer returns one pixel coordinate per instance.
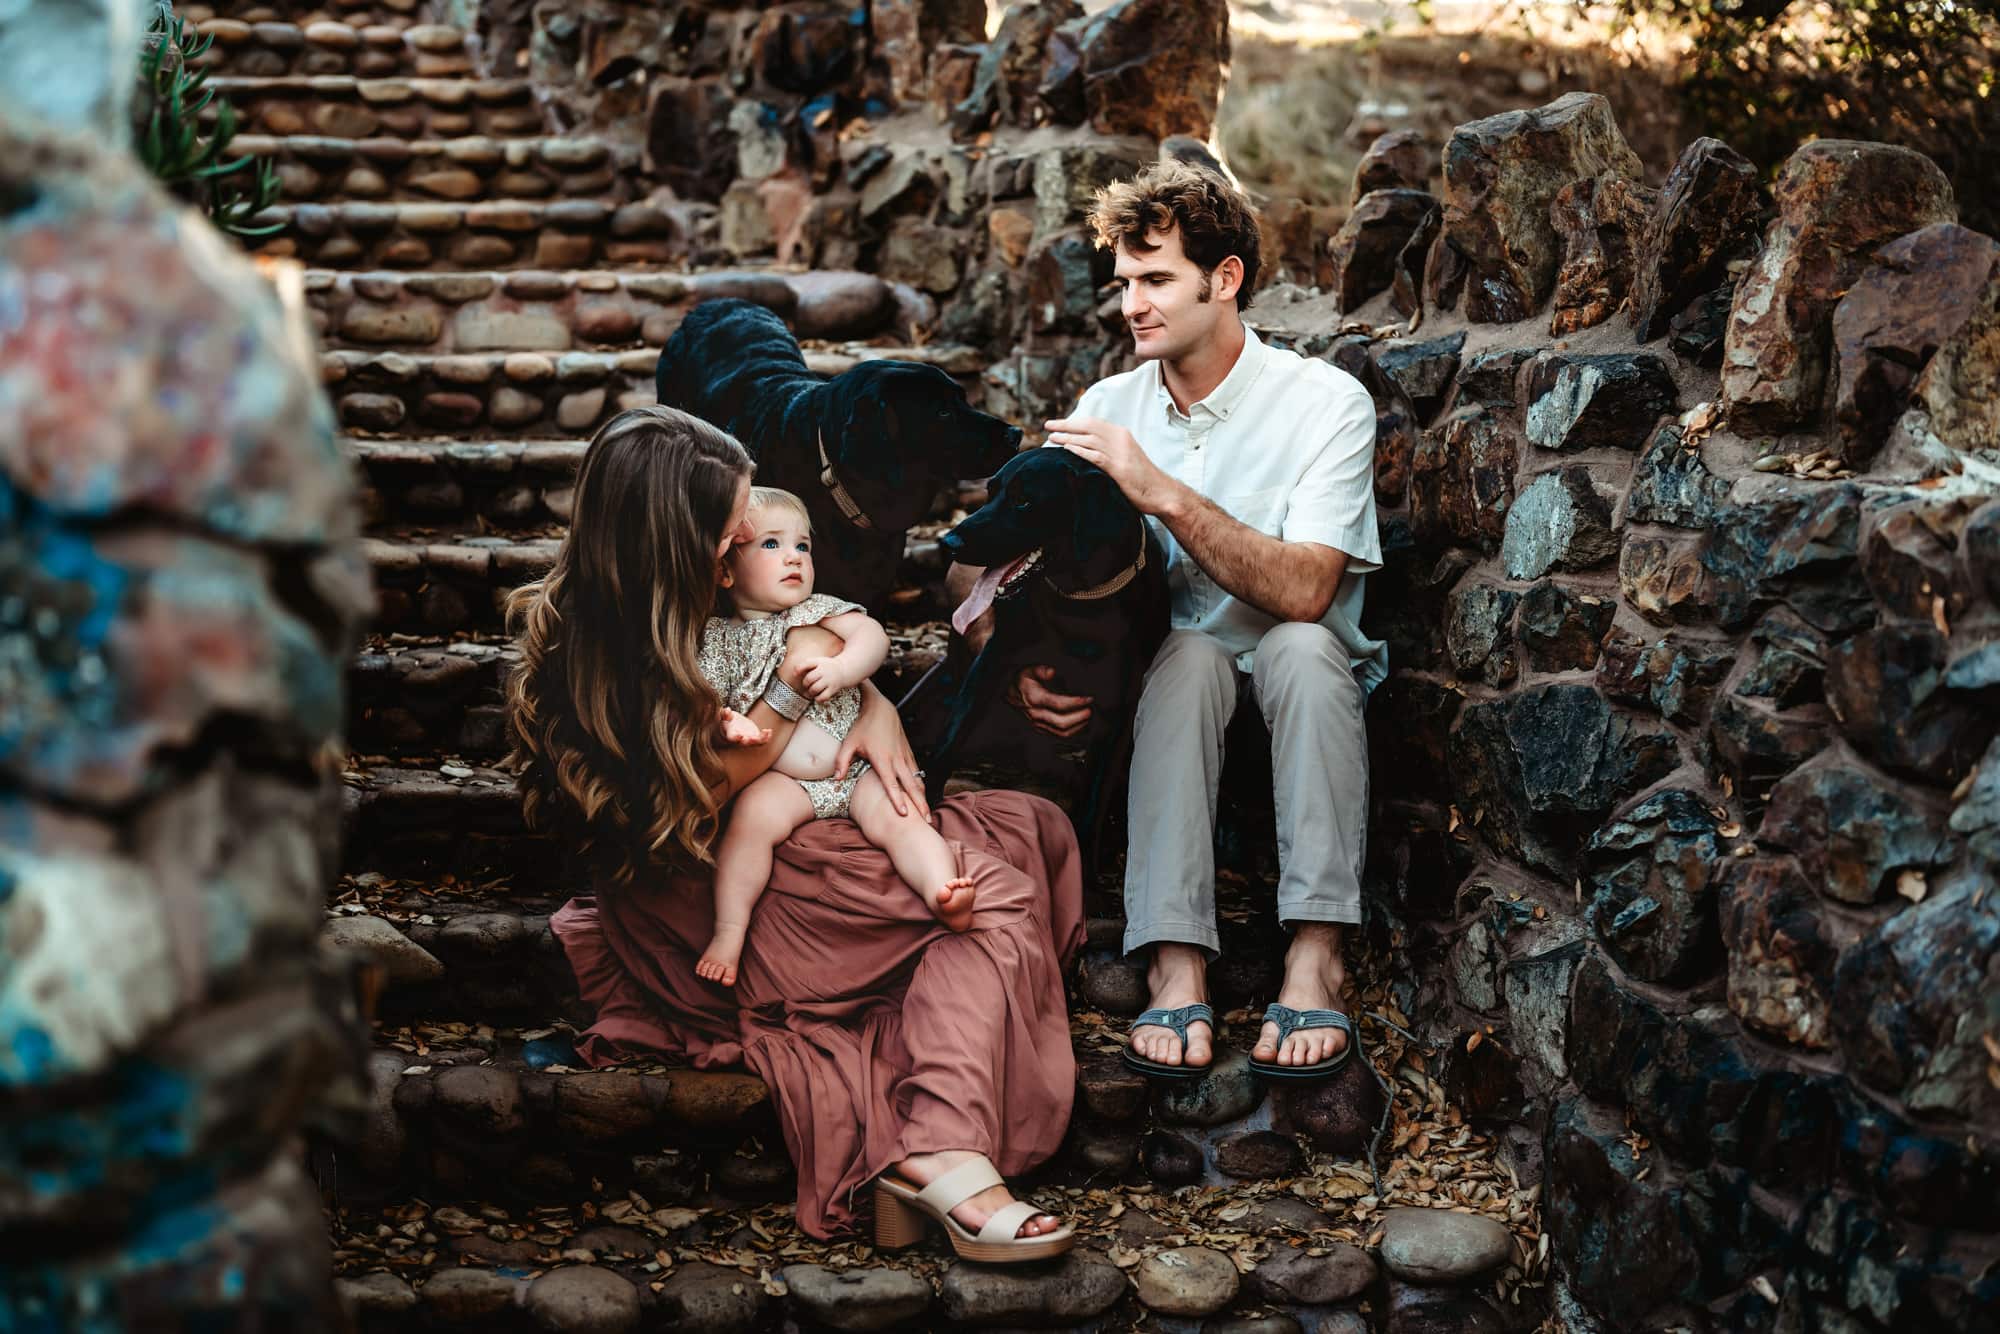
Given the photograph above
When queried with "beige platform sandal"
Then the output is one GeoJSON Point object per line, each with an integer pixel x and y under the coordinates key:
{"type": "Point", "coordinates": [901, 1211]}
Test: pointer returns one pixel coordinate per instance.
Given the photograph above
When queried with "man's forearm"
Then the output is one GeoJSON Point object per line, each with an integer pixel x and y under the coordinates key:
{"type": "Point", "coordinates": [1293, 581]}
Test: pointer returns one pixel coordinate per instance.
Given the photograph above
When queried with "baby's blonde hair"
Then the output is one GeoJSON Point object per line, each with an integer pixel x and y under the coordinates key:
{"type": "Point", "coordinates": [776, 497]}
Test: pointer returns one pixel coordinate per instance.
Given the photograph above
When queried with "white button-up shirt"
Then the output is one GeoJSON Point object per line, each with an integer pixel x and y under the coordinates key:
{"type": "Point", "coordinates": [1285, 445]}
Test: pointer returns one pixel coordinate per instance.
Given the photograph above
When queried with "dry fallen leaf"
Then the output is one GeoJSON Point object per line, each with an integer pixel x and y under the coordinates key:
{"type": "Point", "coordinates": [1912, 886]}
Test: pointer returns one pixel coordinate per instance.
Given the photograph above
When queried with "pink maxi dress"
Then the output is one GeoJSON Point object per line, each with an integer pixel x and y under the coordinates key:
{"type": "Point", "coordinates": [879, 1033]}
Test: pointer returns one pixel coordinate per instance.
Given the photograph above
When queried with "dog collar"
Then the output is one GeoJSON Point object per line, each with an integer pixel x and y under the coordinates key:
{"type": "Point", "coordinates": [1111, 585]}
{"type": "Point", "coordinates": [848, 509]}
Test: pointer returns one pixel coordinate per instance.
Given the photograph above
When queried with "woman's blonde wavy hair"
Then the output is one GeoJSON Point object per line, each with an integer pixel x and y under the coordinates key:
{"type": "Point", "coordinates": [614, 725]}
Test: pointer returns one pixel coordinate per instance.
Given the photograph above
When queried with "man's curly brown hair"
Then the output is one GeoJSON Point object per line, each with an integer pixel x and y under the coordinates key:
{"type": "Point", "coordinates": [1215, 221]}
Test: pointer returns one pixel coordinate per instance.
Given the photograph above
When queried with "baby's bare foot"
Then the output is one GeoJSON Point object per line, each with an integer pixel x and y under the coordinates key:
{"type": "Point", "coordinates": [718, 961]}
{"type": "Point", "coordinates": [717, 969]}
{"type": "Point", "coordinates": [954, 903]}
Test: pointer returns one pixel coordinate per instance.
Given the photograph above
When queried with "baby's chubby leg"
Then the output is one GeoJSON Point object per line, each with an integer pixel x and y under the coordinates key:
{"type": "Point", "coordinates": [919, 852]}
{"type": "Point", "coordinates": [765, 814]}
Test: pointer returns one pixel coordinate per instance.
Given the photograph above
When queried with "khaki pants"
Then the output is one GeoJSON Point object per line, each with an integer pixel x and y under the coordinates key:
{"type": "Point", "coordinates": [1319, 765]}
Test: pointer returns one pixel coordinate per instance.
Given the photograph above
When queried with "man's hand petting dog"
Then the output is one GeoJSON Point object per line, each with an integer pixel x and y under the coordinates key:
{"type": "Point", "coordinates": [738, 730]}
{"type": "Point", "coordinates": [1113, 449]}
{"type": "Point", "coordinates": [1058, 715]}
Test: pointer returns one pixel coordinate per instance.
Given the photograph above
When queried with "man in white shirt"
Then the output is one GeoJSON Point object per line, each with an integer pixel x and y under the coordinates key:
{"type": "Point", "coordinates": [1255, 467]}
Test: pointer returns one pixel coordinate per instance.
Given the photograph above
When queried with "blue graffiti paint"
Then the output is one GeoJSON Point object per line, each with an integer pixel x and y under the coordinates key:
{"type": "Point", "coordinates": [150, 1117]}
{"type": "Point", "coordinates": [34, 1055]}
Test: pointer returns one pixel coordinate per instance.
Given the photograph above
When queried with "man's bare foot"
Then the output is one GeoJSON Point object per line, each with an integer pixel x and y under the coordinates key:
{"type": "Point", "coordinates": [1314, 979]}
{"type": "Point", "coordinates": [1177, 976]}
{"type": "Point", "coordinates": [920, 1169]}
{"type": "Point", "coordinates": [718, 961]}
{"type": "Point", "coordinates": [954, 903]}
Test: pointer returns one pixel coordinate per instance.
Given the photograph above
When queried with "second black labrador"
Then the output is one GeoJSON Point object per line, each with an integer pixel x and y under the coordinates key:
{"type": "Point", "coordinates": [1077, 582]}
{"type": "Point", "coordinates": [866, 450]}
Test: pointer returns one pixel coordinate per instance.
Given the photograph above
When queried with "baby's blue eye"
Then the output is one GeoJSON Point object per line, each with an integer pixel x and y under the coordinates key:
{"type": "Point", "coordinates": [806, 547]}
{"type": "Point", "coordinates": [769, 544]}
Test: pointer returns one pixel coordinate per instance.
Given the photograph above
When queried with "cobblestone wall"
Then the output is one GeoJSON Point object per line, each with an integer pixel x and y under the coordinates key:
{"type": "Point", "coordinates": [1686, 810]}
{"type": "Point", "coordinates": [179, 586]}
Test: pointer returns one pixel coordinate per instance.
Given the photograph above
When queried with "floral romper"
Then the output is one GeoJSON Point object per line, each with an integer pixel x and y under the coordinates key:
{"type": "Point", "coordinates": [740, 657]}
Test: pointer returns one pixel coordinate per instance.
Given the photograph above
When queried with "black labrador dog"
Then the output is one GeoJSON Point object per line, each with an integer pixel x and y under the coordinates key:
{"type": "Point", "coordinates": [1076, 581]}
{"type": "Point", "coordinates": [866, 450]}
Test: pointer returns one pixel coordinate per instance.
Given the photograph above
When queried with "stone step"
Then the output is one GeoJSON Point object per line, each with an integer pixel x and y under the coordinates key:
{"type": "Point", "coordinates": [494, 394]}
{"type": "Point", "coordinates": [447, 583]}
{"type": "Point", "coordinates": [507, 484]}
{"type": "Point", "coordinates": [438, 820]}
{"type": "Point", "coordinates": [316, 168]}
{"type": "Point", "coordinates": [492, 234]}
{"type": "Point", "coordinates": [459, 1106]}
{"type": "Point", "coordinates": [275, 48]}
{"type": "Point", "coordinates": [433, 697]}
{"type": "Point", "coordinates": [545, 311]}
{"type": "Point", "coordinates": [355, 13]}
{"type": "Point", "coordinates": [362, 108]}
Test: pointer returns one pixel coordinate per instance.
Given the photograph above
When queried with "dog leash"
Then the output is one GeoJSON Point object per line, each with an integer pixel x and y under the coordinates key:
{"type": "Point", "coordinates": [1111, 585]}
{"type": "Point", "coordinates": [851, 511]}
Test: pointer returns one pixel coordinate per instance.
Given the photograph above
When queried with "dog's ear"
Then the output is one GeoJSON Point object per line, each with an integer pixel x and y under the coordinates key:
{"type": "Point", "coordinates": [868, 447]}
{"type": "Point", "coordinates": [1099, 514]}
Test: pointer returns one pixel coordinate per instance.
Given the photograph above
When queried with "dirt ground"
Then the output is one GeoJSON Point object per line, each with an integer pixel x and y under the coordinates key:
{"type": "Point", "coordinates": [1312, 82]}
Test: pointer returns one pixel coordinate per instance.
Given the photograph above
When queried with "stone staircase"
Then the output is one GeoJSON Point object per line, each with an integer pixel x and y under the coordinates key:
{"type": "Point", "coordinates": [486, 293]}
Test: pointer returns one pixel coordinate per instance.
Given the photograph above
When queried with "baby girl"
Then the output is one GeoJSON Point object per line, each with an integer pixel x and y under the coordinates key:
{"type": "Point", "coordinates": [770, 581]}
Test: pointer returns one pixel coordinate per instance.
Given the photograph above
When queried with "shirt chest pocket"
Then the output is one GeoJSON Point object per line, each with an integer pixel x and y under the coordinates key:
{"type": "Point", "coordinates": [1262, 508]}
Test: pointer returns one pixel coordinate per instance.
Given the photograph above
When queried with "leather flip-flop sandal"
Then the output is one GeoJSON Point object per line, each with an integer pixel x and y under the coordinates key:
{"type": "Point", "coordinates": [1177, 1020]}
{"type": "Point", "coordinates": [1290, 1021]}
{"type": "Point", "coordinates": [902, 1210]}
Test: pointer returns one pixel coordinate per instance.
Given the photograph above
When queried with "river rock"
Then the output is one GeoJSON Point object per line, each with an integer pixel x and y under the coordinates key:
{"type": "Point", "coordinates": [1560, 630]}
{"type": "Point", "coordinates": [1921, 291]}
{"type": "Point", "coordinates": [1440, 1246]}
{"type": "Point", "coordinates": [1170, 1159]}
{"type": "Point", "coordinates": [1558, 522]}
{"type": "Point", "coordinates": [857, 1299]}
{"type": "Point", "coordinates": [1711, 211]}
{"type": "Point", "coordinates": [1901, 992]}
{"type": "Point", "coordinates": [1602, 220]}
{"type": "Point", "coordinates": [1606, 401]}
{"type": "Point", "coordinates": [401, 959]}
{"type": "Point", "coordinates": [1423, 370]}
{"type": "Point", "coordinates": [1080, 1286]}
{"type": "Point", "coordinates": [1853, 830]}
{"type": "Point", "coordinates": [1259, 1155]}
{"type": "Point", "coordinates": [1652, 877]}
{"type": "Point", "coordinates": [1888, 687]}
{"type": "Point", "coordinates": [1397, 160]}
{"type": "Point", "coordinates": [712, 1299]}
{"type": "Point", "coordinates": [1672, 485]}
{"type": "Point", "coordinates": [1336, 1115]}
{"type": "Point", "coordinates": [583, 1299]}
{"type": "Point", "coordinates": [1228, 1092]}
{"type": "Point", "coordinates": [467, 1296]}
{"type": "Point", "coordinates": [1387, 230]}
{"type": "Point", "coordinates": [1290, 1276]}
{"type": "Point", "coordinates": [1838, 200]}
{"type": "Point", "coordinates": [1462, 480]}
{"type": "Point", "coordinates": [1500, 176]}
{"type": "Point", "coordinates": [1187, 1281]}
{"type": "Point", "coordinates": [1420, 1309]}
{"type": "Point", "coordinates": [1539, 767]}
{"type": "Point", "coordinates": [1155, 67]}
{"type": "Point", "coordinates": [1960, 389]}
{"type": "Point", "coordinates": [1479, 632]}
{"type": "Point", "coordinates": [1781, 951]}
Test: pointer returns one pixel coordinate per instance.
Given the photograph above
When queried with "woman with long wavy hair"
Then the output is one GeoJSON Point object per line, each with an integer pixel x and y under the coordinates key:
{"type": "Point", "coordinates": [896, 1052]}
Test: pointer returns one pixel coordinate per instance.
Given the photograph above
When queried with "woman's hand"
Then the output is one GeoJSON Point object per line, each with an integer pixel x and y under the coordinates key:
{"type": "Point", "coordinates": [877, 737]}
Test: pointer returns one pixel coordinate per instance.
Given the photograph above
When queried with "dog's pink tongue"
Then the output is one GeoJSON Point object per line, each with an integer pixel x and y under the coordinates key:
{"type": "Point", "coordinates": [981, 597]}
